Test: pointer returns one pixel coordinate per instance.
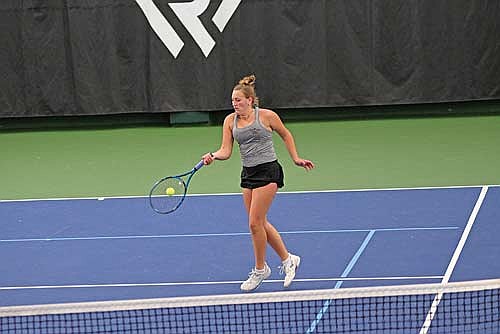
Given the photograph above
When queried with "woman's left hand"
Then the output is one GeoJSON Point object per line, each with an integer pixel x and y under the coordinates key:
{"type": "Point", "coordinates": [307, 164]}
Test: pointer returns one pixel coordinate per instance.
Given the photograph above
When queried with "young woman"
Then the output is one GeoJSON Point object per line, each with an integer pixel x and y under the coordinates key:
{"type": "Point", "coordinates": [261, 176]}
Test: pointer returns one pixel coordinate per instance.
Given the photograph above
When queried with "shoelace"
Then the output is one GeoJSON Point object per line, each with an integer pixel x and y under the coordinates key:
{"type": "Point", "coordinates": [282, 268]}
{"type": "Point", "coordinates": [254, 273]}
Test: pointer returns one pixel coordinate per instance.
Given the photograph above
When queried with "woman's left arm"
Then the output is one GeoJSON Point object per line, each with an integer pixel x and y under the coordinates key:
{"type": "Point", "coordinates": [275, 123]}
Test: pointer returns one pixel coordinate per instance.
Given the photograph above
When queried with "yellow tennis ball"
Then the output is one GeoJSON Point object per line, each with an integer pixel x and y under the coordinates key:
{"type": "Point", "coordinates": [170, 191]}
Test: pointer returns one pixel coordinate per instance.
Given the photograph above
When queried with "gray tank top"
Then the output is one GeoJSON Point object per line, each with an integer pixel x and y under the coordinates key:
{"type": "Point", "coordinates": [256, 142]}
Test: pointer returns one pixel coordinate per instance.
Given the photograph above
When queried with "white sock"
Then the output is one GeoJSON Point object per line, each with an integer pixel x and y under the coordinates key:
{"type": "Point", "coordinates": [260, 271]}
{"type": "Point", "coordinates": [287, 261]}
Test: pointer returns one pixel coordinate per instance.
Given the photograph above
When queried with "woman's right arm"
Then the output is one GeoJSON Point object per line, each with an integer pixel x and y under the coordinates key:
{"type": "Point", "coordinates": [226, 147]}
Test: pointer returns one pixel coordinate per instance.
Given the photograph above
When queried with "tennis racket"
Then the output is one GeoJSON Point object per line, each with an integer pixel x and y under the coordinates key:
{"type": "Point", "coordinates": [168, 193]}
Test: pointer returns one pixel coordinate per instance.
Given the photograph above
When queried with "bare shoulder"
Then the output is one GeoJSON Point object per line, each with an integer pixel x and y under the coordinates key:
{"type": "Point", "coordinates": [270, 119]}
{"type": "Point", "coordinates": [229, 119]}
{"type": "Point", "coordinates": [267, 114]}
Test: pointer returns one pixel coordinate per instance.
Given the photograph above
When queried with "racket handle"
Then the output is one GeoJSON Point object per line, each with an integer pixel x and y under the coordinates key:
{"type": "Point", "coordinates": [199, 165]}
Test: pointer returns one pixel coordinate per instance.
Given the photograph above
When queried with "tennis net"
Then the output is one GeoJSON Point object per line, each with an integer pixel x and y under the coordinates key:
{"type": "Point", "coordinates": [465, 307]}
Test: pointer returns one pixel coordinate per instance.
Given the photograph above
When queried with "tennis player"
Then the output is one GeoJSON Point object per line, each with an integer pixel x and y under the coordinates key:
{"type": "Point", "coordinates": [261, 175]}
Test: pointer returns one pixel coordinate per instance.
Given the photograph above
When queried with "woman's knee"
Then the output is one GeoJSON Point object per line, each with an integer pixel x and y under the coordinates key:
{"type": "Point", "coordinates": [256, 224]}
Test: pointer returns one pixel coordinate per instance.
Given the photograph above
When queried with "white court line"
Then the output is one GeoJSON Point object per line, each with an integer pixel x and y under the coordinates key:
{"type": "Point", "coordinates": [177, 284]}
{"type": "Point", "coordinates": [451, 266]}
{"type": "Point", "coordinates": [234, 194]}
{"type": "Point", "coordinates": [166, 236]}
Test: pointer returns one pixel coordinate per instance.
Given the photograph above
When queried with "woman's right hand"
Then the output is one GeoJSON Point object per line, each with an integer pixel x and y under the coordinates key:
{"type": "Point", "coordinates": [208, 158]}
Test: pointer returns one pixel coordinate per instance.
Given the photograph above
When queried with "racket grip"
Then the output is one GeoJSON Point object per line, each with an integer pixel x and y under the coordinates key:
{"type": "Point", "coordinates": [199, 165]}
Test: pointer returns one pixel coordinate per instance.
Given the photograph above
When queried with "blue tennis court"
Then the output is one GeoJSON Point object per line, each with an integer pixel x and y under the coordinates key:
{"type": "Point", "coordinates": [75, 250]}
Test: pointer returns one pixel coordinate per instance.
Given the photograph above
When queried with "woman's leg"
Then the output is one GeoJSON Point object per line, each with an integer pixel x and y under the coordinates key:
{"type": "Point", "coordinates": [274, 239]}
{"type": "Point", "coordinates": [257, 202]}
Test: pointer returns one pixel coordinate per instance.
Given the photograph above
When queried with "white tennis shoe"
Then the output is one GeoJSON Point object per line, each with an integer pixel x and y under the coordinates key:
{"type": "Point", "coordinates": [289, 268]}
{"type": "Point", "coordinates": [255, 279]}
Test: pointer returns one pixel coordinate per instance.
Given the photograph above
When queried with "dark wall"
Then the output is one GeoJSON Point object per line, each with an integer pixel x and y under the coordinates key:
{"type": "Point", "coordinates": [92, 57]}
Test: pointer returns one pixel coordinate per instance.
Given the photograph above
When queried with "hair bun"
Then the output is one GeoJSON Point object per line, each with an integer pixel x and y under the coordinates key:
{"type": "Point", "coordinates": [248, 80]}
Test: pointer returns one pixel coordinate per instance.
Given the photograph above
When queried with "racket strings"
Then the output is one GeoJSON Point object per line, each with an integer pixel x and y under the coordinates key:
{"type": "Point", "coordinates": [168, 194]}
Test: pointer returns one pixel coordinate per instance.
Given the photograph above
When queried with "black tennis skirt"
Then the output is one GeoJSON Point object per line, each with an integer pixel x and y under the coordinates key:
{"type": "Point", "coordinates": [261, 175]}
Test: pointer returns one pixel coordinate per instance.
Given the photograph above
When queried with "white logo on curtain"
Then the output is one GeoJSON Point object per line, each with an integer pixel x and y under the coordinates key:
{"type": "Point", "coordinates": [188, 13]}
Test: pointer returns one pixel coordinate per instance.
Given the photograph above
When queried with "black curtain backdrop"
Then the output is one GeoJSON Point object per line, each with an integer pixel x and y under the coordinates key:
{"type": "Point", "coordinates": [91, 57]}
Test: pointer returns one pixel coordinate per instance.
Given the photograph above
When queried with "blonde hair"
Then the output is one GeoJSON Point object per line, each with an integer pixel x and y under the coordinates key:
{"type": "Point", "coordinates": [247, 87]}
